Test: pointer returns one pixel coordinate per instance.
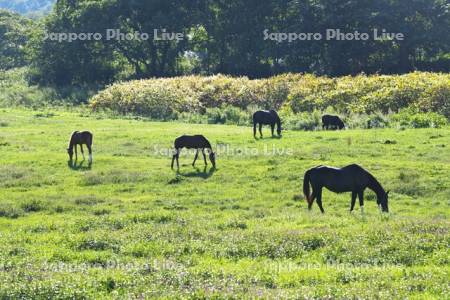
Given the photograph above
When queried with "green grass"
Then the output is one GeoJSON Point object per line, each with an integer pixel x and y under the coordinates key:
{"type": "Point", "coordinates": [129, 227]}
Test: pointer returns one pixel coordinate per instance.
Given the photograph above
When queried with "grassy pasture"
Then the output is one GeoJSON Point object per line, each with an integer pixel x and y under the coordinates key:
{"type": "Point", "coordinates": [128, 226]}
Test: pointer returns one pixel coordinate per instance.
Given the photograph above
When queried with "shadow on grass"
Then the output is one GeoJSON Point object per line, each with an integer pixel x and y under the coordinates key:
{"type": "Point", "coordinates": [198, 173]}
{"type": "Point", "coordinates": [80, 166]}
{"type": "Point", "coordinates": [273, 137]}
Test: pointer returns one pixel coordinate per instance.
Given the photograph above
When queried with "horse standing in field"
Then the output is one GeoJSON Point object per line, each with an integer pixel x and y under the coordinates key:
{"type": "Point", "coordinates": [329, 121]}
{"type": "Point", "coordinates": [264, 117]}
{"type": "Point", "coordinates": [80, 138]}
{"type": "Point", "coordinates": [193, 142]}
{"type": "Point", "coordinates": [352, 178]}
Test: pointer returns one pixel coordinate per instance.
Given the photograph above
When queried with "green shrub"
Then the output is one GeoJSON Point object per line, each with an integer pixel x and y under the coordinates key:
{"type": "Point", "coordinates": [303, 121]}
{"type": "Point", "coordinates": [227, 115]}
{"type": "Point", "coordinates": [167, 98]}
{"type": "Point", "coordinates": [412, 119]}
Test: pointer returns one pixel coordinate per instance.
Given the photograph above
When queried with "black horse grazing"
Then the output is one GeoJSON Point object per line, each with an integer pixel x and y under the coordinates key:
{"type": "Point", "coordinates": [329, 121]}
{"type": "Point", "coordinates": [80, 138]}
{"type": "Point", "coordinates": [264, 117]}
{"type": "Point", "coordinates": [352, 178]}
{"type": "Point", "coordinates": [193, 142]}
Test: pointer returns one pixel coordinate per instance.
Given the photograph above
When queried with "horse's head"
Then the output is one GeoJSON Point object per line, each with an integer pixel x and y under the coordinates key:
{"type": "Point", "coordinates": [382, 202]}
{"type": "Point", "coordinates": [70, 152]}
{"type": "Point", "coordinates": [279, 128]}
{"type": "Point", "coordinates": [212, 158]}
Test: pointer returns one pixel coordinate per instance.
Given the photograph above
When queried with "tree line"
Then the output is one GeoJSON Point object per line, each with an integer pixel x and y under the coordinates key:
{"type": "Point", "coordinates": [235, 37]}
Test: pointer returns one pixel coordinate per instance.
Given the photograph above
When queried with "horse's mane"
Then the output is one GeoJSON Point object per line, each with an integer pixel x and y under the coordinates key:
{"type": "Point", "coordinates": [71, 138]}
{"type": "Point", "coordinates": [374, 184]}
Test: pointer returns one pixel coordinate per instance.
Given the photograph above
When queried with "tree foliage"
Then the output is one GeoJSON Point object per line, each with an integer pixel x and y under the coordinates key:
{"type": "Point", "coordinates": [227, 36]}
{"type": "Point", "coordinates": [29, 7]}
{"type": "Point", "coordinates": [13, 40]}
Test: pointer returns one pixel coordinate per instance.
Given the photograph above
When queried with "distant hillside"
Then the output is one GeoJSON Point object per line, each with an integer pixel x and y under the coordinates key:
{"type": "Point", "coordinates": [28, 7]}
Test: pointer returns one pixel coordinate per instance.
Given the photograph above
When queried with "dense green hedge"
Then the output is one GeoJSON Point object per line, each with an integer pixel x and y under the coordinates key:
{"type": "Point", "coordinates": [293, 93]}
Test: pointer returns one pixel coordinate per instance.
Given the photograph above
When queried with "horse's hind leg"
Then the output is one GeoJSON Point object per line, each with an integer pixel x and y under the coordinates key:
{"type": "Point", "coordinates": [352, 206]}
{"type": "Point", "coordinates": [254, 130]}
{"type": "Point", "coordinates": [173, 160]}
{"type": "Point", "coordinates": [175, 156]}
{"type": "Point", "coordinates": [312, 198]}
{"type": "Point", "coordinates": [195, 158]}
{"type": "Point", "coordinates": [260, 129]}
{"type": "Point", "coordinates": [319, 200]}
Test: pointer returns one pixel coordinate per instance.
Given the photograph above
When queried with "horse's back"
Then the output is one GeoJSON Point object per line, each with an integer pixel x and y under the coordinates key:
{"type": "Point", "coordinates": [332, 120]}
{"type": "Point", "coordinates": [86, 136]}
{"type": "Point", "coordinates": [265, 116]}
{"type": "Point", "coordinates": [192, 142]}
{"type": "Point", "coordinates": [352, 169]}
{"type": "Point", "coordinates": [329, 118]}
{"type": "Point", "coordinates": [81, 137]}
{"type": "Point", "coordinates": [340, 180]}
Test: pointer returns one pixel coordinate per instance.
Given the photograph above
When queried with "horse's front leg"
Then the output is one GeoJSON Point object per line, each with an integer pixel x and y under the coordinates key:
{"type": "Point", "coordinates": [82, 151]}
{"type": "Point", "coordinates": [76, 153]}
{"type": "Point", "coordinates": [272, 127]}
{"type": "Point", "coordinates": [195, 158]}
{"type": "Point", "coordinates": [361, 201]}
{"type": "Point", "coordinates": [352, 206]}
{"type": "Point", "coordinates": [89, 146]}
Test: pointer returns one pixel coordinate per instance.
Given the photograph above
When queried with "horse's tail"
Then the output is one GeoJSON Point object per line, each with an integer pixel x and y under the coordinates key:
{"type": "Point", "coordinates": [255, 118]}
{"type": "Point", "coordinates": [306, 180]}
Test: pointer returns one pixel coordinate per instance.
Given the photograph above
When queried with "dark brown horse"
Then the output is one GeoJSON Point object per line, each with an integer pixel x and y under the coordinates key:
{"type": "Point", "coordinates": [332, 122]}
{"type": "Point", "coordinates": [198, 142]}
{"type": "Point", "coordinates": [266, 117]}
{"type": "Point", "coordinates": [80, 138]}
{"type": "Point", "coordinates": [352, 178]}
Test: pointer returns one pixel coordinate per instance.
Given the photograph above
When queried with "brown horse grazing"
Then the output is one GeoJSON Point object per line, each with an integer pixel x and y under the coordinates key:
{"type": "Point", "coordinates": [80, 138]}
{"type": "Point", "coordinates": [352, 178]}
{"type": "Point", "coordinates": [266, 117]}
{"type": "Point", "coordinates": [332, 122]}
{"type": "Point", "coordinates": [193, 142]}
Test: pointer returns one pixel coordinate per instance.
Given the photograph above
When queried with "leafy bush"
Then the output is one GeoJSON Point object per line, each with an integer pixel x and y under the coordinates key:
{"type": "Point", "coordinates": [303, 121]}
{"type": "Point", "coordinates": [227, 115]}
{"type": "Point", "coordinates": [166, 97]}
{"type": "Point", "coordinates": [409, 118]}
